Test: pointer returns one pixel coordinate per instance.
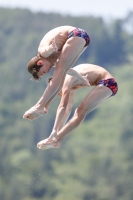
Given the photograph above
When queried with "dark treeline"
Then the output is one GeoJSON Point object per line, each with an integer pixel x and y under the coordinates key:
{"type": "Point", "coordinates": [96, 161]}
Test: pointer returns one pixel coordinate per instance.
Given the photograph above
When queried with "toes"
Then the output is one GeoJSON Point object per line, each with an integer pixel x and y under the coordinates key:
{"type": "Point", "coordinates": [30, 117]}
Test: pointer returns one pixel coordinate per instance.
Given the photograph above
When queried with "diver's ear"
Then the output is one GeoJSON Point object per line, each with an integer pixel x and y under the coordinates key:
{"type": "Point", "coordinates": [39, 62]}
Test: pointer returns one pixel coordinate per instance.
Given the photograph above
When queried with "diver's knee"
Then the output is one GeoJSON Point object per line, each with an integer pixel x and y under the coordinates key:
{"type": "Point", "coordinates": [79, 114]}
{"type": "Point", "coordinates": [80, 111]}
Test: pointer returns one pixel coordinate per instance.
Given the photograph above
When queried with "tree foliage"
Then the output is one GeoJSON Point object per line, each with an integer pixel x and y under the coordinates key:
{"type": "Point", "coordinates": [96, 161]}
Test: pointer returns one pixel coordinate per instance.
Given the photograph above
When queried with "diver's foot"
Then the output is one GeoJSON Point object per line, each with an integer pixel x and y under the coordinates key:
{"type": "Point", "coordinates": [48, 144]}
{"type": "Point", "coordinates": [33, 113]}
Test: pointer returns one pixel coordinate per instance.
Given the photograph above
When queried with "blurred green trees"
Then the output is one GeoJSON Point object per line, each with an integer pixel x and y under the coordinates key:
{"type": "Point", "coordinates": [96, 161]}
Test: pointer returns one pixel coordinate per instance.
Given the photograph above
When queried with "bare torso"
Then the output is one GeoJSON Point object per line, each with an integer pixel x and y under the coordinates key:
{"type": "Point", "coordinates": [60, 34]}
{"type": "Point", "coordinates": [94, 75]}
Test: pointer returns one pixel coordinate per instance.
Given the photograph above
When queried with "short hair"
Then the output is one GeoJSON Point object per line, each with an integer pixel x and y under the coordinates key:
{"type": "Point", "coordinates": [33, 68]}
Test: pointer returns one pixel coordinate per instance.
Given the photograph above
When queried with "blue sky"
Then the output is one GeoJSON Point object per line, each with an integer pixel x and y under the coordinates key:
{"type": "Point", "coordinates": [103, 8]}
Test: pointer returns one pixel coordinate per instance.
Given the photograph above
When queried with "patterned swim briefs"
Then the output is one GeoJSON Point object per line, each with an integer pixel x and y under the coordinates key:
{"type": "Point", "coordinates": [111, 84]}
{"type": "Point", "coordinates": [80, 33]}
